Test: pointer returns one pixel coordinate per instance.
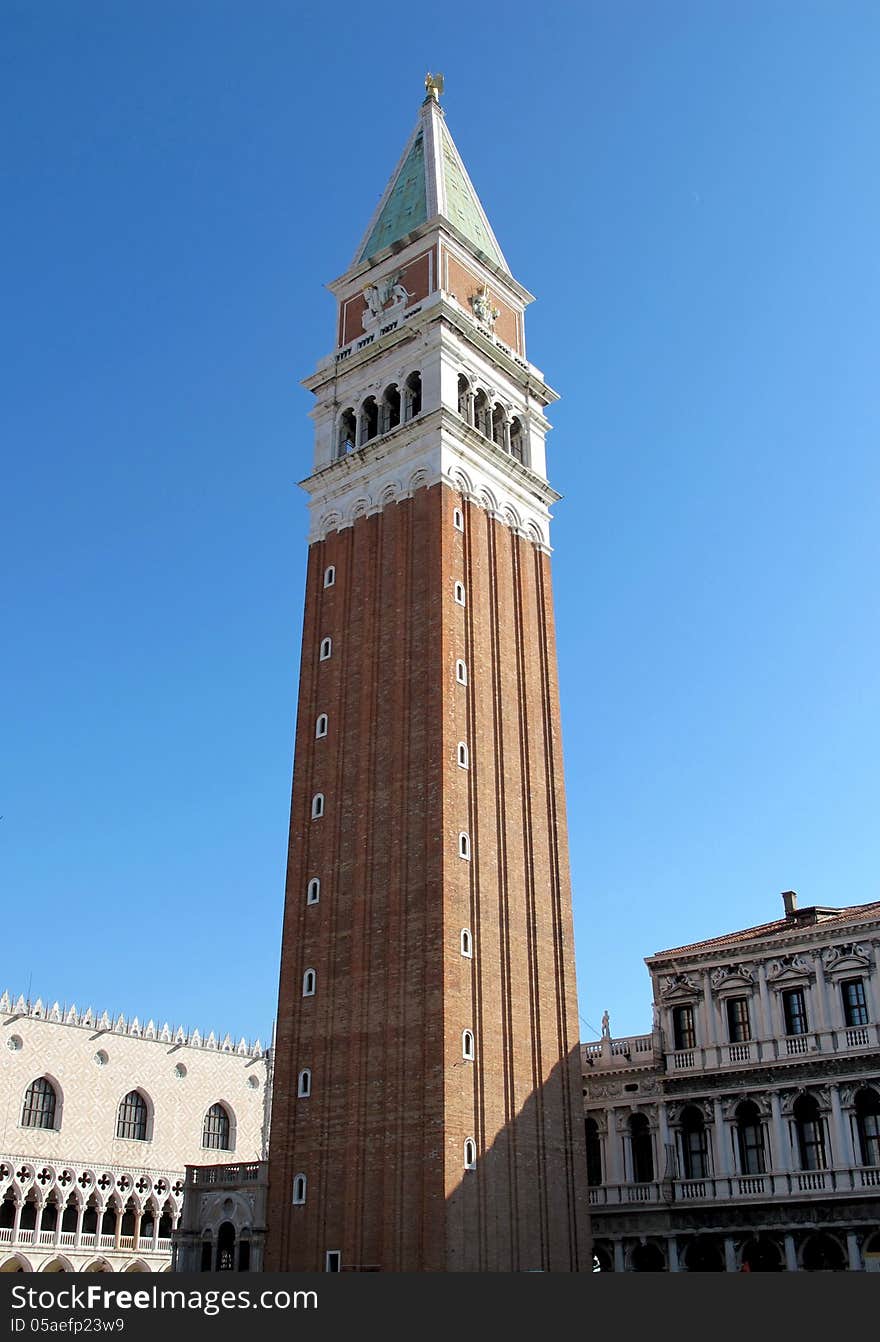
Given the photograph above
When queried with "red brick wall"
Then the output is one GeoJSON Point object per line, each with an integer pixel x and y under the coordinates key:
{"type": "Point", "coordinates": [381, 1138]}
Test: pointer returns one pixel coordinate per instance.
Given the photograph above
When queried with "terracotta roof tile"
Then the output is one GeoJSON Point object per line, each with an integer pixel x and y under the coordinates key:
{"type": "Point", "coordinates": [866, 911]}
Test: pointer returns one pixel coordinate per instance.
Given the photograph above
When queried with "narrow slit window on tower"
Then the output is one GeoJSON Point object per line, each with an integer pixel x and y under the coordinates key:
{"type": "Point", "coordinates": [470, 1154]}
{"type": "Point", "coordinates": [304, 1084]}
{"type": "Point", "coordinates": [321, 725]}
{"type": "Point", "coordinates": [317, 805]}
{"type": "Point", "coordinates": [467, 1045]}
{"type": "Point", "coordinates": [330, 575]}
{"type": "Point", "coordinates": [333, 1260]}
{"type": "Point", "coordinates": [326, 649]}
{"type": "Point", "coordinates": [299, 1190]}
{"type": "Point", "coordinates": [467, 945]}
{"type": "Point", "coordinates": [309, 981]}
{"type": "Point", "coordinates": [459, 593]}
{"type": "Point", "coordinates": [313, 891]}
{"type": "Point", "coordinates": [464, 845]}
{"type": "Point", "coordinates": [463, 757]}
{"type": "Point", "coordinates": [458, 519]}
{"type": "Point", "coordinates": [460, 672]}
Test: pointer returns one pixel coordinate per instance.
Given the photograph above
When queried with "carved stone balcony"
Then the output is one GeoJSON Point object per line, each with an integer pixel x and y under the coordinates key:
{"type": "Point", "coordinates": [777, 1184]}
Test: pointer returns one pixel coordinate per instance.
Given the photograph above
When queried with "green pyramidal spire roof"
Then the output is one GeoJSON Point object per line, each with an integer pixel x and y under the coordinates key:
{"type": "Point", "coordinates": [430, 180]}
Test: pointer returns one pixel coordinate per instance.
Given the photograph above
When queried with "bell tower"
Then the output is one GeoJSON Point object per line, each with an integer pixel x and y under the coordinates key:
{"type": "Point", "coordinates": [427, 1109]}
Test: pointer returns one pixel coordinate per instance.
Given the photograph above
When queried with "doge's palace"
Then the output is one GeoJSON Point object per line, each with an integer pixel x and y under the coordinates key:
{"type": "Point", "coordinates": [99, 1117]}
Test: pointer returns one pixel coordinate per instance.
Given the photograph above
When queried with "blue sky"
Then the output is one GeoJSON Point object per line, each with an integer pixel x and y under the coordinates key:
{"type": "Point", "coordinates": [691, 191]}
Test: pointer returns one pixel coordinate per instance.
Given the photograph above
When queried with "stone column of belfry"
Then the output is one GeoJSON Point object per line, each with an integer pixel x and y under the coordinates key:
{"type": "Point", "coordinates": [427, 1109]}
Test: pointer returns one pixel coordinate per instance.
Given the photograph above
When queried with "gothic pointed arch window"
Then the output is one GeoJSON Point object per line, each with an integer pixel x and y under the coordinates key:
{"type": "Point", "coordinates": [40, 1104]}
{"type": "Point", "coordinates": [867, 1107]}
{"type": "Point", "coordinates": [133, 1117]}
{"type": "Point", "coordinates": [641, 1149]}
{"type": "Point", "coordinates": [216, 1129]}
{"type": "Point", "coordinates": [750, 1138]}
{"type": "Point", "coordinates": [694, 1143]}
{"type": "Point", "coordinates": [810, 1133]}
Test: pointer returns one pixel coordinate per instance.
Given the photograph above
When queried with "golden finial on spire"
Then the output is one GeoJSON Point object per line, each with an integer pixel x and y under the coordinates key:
{"type": "Point", "coordinates": [434, 85]}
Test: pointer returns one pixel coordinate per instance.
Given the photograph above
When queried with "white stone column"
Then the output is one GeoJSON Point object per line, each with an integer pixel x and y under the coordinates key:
{"type": "Point", "coordinates": [781, 1154]}
{"type": "Point", "coordinates": [823, 1013]}
{"type": "Point", "coordinates": [722, 1163]}
{"type": "Point", "coordinates": [16, 1220]}
{"type": "Point", "coordinates": [38, 1221]}
{"type": "Point", "coordinates": [663, 1131]}
{"type": "Point", "coordinates": [613, 1149]}
{"type": "Point", "coordinates": [60, 1208]}
{"type": "Point", "coordinates": [729, 1254]}
{"type": "Point", "coordinates": [709, 1008]}
{"type": "Point", "coordinates": [80, 1213]}
{"type": "Point", "coordinates": [842, 1152]}
{"type": "Point", "coordinates": [157, 1216]}
{"type": "Point", "coordinates": [138, 1216]}
{"type": "Point", "coordinates": [619, 1262]}
{"type": "Point", "coordinates": [672, 1254]}
{"type": "Point", "coordinates": [765, 1011]}
{"type": "Point", "coordinates": [852, 1248]}
{"type": "Point", "coordinates": [790, 1254]}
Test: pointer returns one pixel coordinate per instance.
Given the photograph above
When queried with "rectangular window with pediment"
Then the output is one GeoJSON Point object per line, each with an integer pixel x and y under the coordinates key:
{"type": "Point", "coordinates": [794, 1009]}
{"type": "Point", "coordinates": [855, 1007]}
{"type": "Point", "coordinates": [738, 1024]}
{"type": "Point", "coordinates": [683, 1028]}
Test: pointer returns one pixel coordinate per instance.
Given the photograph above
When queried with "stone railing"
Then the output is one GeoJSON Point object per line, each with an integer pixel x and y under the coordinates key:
{"type": "Point", "coordinates": [819, 1184]}
{"type": "Point", "coordinates": [214, 1175]}
{"type": "Point", "coordinates": [640, 1050]}
{"type": "Point", "coordinates": [712, 1056]}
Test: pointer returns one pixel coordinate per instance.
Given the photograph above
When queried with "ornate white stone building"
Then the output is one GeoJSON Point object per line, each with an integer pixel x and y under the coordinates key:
{"type": "Point", "coordinates": [99, 1118]}
{"type": "Point", "coordinates": [745, 1129]}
